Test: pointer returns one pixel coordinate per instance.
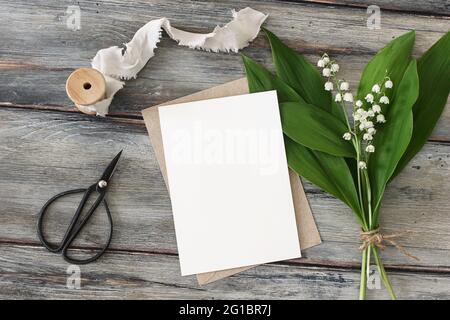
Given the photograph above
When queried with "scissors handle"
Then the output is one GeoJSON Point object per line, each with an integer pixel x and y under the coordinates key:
{"type": "Point", "coordinates": [76, 225]}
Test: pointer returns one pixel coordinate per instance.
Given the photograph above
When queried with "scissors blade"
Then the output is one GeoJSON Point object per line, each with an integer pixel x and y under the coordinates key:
{"type": "Point", "coordinates": [109, 171]}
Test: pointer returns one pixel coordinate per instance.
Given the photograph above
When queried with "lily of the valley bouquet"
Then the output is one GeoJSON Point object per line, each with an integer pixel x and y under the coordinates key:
{"type": "Point", "coordinates": [353, 146]}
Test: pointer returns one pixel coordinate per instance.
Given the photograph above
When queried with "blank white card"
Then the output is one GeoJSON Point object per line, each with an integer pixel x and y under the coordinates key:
{"type": "Point", "coordinates": [229, 183]}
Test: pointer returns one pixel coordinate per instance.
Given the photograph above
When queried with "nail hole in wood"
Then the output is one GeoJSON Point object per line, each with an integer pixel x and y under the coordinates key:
{"type": "Point", "coordinates": [87, 85]}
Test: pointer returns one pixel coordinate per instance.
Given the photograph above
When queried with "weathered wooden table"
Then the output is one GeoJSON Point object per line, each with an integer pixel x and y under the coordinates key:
{"type": "Point", "coordinates": [46, 146]}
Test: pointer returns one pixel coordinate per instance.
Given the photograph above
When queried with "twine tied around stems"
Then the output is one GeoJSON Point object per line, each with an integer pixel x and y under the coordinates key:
{"type": "Point", "coordinates": [379, 240]}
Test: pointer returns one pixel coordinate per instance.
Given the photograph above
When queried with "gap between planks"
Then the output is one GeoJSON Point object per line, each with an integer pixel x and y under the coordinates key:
{"type": "Point", "coordinates": [305, 262]}
{"type": "Point", "coordinates": [125, 118]}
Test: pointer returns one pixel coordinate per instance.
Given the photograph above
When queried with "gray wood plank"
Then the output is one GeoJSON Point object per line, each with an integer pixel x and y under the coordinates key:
{"type": "Point", "coordinates": [43, 153]}
{"type": "Point", "coordinates": [33, 273]}
{"type": "Point", "coordinates": [38, 52]}
{"type": "Point", "coordinates": [432, 7]}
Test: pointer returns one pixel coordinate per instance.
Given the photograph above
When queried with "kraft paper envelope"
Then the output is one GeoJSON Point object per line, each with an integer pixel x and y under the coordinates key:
{"type": "Point", "coordinates": [307, 229]}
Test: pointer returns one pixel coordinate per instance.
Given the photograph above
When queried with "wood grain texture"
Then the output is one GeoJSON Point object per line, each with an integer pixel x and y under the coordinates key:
{"type": "Point", "coordinates": [428, 7]}
{"type": "Point", "coordinates": [33, 273]}
{"type": "Point", "coordinates": [39, 52]}
{"type": "Point", "coordinates": [44, 153]}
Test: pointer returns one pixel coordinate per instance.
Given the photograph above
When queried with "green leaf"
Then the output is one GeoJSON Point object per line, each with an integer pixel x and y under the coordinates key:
{"type": "Point", "coordinates": [392, 138]}
{"type": "Point", "coordinates": [353, 167]}
{"type": "Point", "coordinates": [299, 74]}
{"type": "Point", "coordinates": [260, 79]}
{"type": "Point", "coordinates": [393, 58]}
{"type": "Point", "coordinates": [316, 129]}
{"type": "Point", "coordinates": [328, 172]}
{"type": "Point", "coordinates": [434, 87]}
{"type": "Point", "coordinates": [338, 112]}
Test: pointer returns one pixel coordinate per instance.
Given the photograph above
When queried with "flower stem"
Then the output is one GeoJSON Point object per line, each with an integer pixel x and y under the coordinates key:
{"type": "Point", "coordinates": [383, 274]}
{"type": "Point", "coordinates": [342, 103]}
{"type": "Point", "coordinates": [361, 203]}
{"type": "Point", "coordinates": [368, 261]}
{"type": "Point", "coordinates": [369, 198]}
{"type": "Point", "coordinates": [363, 283]}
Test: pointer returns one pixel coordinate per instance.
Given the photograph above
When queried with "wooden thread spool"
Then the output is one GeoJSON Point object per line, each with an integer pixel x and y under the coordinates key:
{"type": "Point", "coordinates": [86, 86]}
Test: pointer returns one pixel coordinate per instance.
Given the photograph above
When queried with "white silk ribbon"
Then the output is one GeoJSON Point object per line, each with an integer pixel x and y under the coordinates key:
{"type": "Point", "coordinates": [117, 64]}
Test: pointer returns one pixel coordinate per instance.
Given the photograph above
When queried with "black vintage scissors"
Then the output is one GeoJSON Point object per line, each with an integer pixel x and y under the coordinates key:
{"type": "Point", "coordinates": [77, 224]}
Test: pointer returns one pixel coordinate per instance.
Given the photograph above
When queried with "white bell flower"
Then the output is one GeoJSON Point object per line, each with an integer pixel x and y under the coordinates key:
{"type": "Point", "coordinates": [368, 124]}
{"type": "Point", "coordinates": [360, 114]}
{"type": "Point", "coordinates": [321, 63]}
{"type": "Point", "coordinates": [326, 72]}
{"type": "Point", "coordinates": [370, 113]}
{"type": "Point", "coordinates": [376, 108]}
{"type": "Point", "coordinates": [364, 115]}
{"type": "Point", "coordinates": [362, 125]}
{"type": "Point", "coordinates": [335, 67]}
{"type": "Point", "coordinates": [367, 136]}
{"type": "Point", "coordinates": [348, 97]}
{"type": "Point", "coordinates": [344, 86]}
{"type": "Point", "coordinates": [380, 118]}
{"type": "Point", "coordinates": [328, 86]}
{"type": "Point", "coordinates": [362, 165]}
{"type": "Point", "coordinates": [347, 136]}
{"type": "Point", "coordinates": [369, 98]}
{"type": "Point", "coordinates": [338, 97]}
{"type": "Point", "coordinates": [384, 99]}
{"type": "Point", "coordinates": [376, 88]}
{"type": "Point", "coordinates": [370, 148]}
{"type": "Point", "coordinates": [326, 59]}
{"type": "Point", "coordinates": [358, 103]}
{"type": "Point", "coordinates": [371, 131]}
{"type": "Point", "coordinates": [389, 84]}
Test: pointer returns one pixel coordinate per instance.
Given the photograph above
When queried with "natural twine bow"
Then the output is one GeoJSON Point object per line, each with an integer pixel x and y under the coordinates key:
{"type": "Point", "coordinates": [376, 238]}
